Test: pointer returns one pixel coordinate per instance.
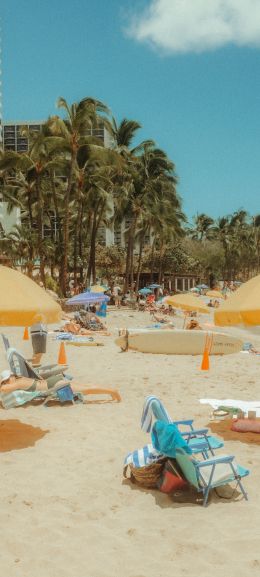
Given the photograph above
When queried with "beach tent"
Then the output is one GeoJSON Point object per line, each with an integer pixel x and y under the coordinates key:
{"type": "Point", "coordinates": [87, 298]}
{"type": "Point", "coordinates": [242, 307]}
{"type": "Point", "coordinates": [187, 302]}
{"type": "Point", "coordinates": [23, 302]}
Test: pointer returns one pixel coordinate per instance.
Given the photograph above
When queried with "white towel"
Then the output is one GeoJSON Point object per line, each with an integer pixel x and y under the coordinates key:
{"type": "Point", "coordinates": [244, 406]}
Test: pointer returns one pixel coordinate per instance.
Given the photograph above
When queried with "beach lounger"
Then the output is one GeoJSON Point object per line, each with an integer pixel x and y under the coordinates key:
{"type": "Point", "coordinates": [61, 392]}
{"type": "Point", "coordinates": [211, 473]}
{"type": "Point", "coordinates": [198, 439]}
{"type": "Point", "coordinates": [22, 368]}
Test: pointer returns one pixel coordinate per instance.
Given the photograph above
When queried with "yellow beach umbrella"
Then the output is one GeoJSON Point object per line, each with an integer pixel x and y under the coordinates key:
{"type": "Point", "coordinates": [23, 302]}
{"type": "Point", "coordinates": [215, 294]}
{"type": "Point", "coordinates": [187, 302]}
{"type": "Point", "coordinates": [97, 289]}
{"type": "Point", "coordinates": [242, 307]}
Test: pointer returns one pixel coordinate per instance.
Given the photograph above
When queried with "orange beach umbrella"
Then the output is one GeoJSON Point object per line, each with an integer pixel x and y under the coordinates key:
{"type": "Point", "coordinates": [242, 307]}
{"type": "Point", "coordinates": [215, 294]}
{"type": "Point", "coordinates": [23, 302]}
{"type": "Point", "coordinates": [187, 302]}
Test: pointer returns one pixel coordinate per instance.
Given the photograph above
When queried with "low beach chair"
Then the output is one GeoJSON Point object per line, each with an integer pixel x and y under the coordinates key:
{"type": "Point", "coordinates": [211, 473]}
{"type": "Point", "coordinates": [22, 368]}
{"type": "Point", "coordinates": [198, 439]}
{"type": "Point", "coordinates": [61, 392]}
{"type": "Point", "coordinates": [6, 342]}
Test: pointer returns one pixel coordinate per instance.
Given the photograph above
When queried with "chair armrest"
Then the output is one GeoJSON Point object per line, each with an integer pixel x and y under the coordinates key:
{"type": "Point", "coordinates": [215, 461]}
{"type": "Point", "coordinates": [187, 422]}
{"type": "Point", "coordinates": [195, 433]}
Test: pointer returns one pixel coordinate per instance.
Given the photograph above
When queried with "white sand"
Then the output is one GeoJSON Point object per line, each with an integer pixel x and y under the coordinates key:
{"type": "Point", "coordinates": [65, 511]}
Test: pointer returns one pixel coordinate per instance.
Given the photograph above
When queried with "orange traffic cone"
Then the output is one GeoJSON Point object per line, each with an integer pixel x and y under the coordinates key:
{"type": "Point", "coordinates": [62, 358]}
{"type": "Point", "coordinates": [205, 360]}
{"type": "Point", "coordinates": [26, 334]}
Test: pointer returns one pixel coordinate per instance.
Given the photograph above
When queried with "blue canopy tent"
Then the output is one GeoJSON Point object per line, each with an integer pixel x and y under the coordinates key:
{"type": "Point", "coordinates": [154, 286]}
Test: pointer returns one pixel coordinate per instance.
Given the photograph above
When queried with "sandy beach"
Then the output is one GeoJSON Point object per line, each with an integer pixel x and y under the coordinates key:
{"type": "Point", "coordinates": [65, 509]}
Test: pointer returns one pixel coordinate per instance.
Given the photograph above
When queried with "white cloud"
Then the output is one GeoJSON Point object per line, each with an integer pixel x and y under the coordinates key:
{"type": "Point", "coordinates": [179, 26]}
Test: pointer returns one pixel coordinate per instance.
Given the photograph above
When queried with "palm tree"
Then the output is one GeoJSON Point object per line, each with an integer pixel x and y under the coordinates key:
{"type": "Point", "coordinates": [203, 228]}
{"type": "Point", "coordinates": [69, 136]}
{"type": "Point", "coordinates": [25, 175]}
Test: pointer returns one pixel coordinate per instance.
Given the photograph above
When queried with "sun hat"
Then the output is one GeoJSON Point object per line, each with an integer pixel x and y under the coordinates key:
{"type": "Point", "coordinates": [5, 375]}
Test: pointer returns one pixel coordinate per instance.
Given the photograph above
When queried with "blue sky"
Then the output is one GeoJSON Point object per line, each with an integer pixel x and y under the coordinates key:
{"type": "Point", "coordinates": [187, 71]}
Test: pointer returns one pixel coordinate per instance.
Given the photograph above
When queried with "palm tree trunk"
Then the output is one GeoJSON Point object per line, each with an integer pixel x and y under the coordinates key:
{"type": "Point", "coordinates": [127, 264]}
{"type": "Point", "coordinates": [152, 261]}
{"type": "Point", "coordinates": [160, 263]}
{"type": "Point", "coordinates": [30, 263]}
{"type": "Point", "coordinates": [40, 227]}
{"type": "Point", "coordinates": [66, 223]}
{"type": "Point", "coordinates": [141, 246]}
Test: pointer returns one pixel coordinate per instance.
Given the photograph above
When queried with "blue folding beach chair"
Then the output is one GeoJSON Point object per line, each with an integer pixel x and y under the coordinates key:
{"type": "Point", "coordinates": [198, 439]}
{"type": "Point", "coordinates": [210, 473]}
{"type": "Point", "coordinates": [203, 475]}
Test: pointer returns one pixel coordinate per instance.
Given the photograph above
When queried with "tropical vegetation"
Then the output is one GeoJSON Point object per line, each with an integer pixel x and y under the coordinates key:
{"type": "Point", "coordinates": [86, 175]}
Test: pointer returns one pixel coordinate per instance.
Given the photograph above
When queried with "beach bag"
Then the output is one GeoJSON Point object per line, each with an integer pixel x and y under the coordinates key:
{"type": "Point", "coordinates": [148, 476]}
{"type": "Point", "coordinates": [171, 479]}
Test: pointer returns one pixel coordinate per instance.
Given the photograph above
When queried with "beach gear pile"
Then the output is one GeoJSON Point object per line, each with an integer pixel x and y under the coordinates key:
{"type": "Point", "coordinates": [170, 462]}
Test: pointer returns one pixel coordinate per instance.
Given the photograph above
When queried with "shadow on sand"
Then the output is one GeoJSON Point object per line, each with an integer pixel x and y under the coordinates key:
{"type": "Point", "coordinates": [15, 435]}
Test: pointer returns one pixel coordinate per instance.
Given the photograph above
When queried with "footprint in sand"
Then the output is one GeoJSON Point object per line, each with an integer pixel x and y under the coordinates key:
{"type": "Point", "coordinates": [114, 508]}
{"type": "Point", "coordinates": [131, 532]}
{"type": "Point", "coordinates": [95, 515]}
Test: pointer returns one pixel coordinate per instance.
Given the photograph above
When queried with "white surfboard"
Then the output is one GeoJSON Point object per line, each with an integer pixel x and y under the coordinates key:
{"type": "Point", "coordinates": [178, 342]}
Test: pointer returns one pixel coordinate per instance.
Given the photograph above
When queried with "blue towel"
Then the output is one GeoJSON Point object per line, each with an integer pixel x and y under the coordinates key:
{"type": "Point", "coordinates": [166, 439]}
{"type": "Point", "coordinates": [18, 398]}
{"type": "Point", "coordinates": [143, 457]}
{"type": "Point", "coordinates": [153, 407]}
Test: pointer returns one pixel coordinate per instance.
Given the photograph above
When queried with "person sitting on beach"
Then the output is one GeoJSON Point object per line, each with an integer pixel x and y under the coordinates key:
{"type": "Point", "coordinates": [151, 307]}
{"type": "Point", "coordinates": [193, 325]}
{"type": "Point", "coordinates": [171, 311]}
{"type": "Point", "coordinates": [141, 304]}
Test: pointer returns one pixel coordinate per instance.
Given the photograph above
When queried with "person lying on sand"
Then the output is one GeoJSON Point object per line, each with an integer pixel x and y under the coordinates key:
{"type": "Point", "coordinates": [193, 325]}
{"type": "Point", "coordinates": [9, 383]}
{"type": "Point", "coordinates": [90, 321]}
{"type": "Point", "coordinates": [84, 327]}
{"type": "Point", "coordinates": [248, 347]}
{"type": "Point", "coordinates": [162, 320]}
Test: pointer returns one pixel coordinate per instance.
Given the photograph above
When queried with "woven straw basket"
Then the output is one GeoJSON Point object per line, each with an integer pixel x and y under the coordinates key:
{"type": "Point", "coordinates": [146, 476]}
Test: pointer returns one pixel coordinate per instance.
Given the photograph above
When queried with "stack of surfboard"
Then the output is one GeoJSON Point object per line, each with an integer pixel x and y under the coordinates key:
{"type": "Point", "coordinates": [178, 342]}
